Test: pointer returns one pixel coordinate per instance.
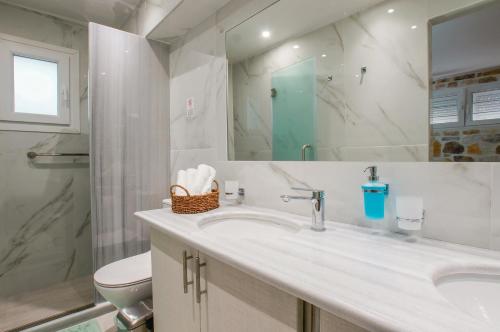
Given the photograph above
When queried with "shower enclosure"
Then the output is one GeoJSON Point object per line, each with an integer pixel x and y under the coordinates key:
{"type": "Point", "coordinates": [294, 111]}
{"type": "Point", "coordinates": [45, 234]}
{"type": "Point", "coordinates": [67, 200]}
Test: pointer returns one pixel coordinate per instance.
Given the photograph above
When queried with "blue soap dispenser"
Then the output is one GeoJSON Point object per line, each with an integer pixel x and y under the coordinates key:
{"type": "Point", "coordinates": [374, 193]}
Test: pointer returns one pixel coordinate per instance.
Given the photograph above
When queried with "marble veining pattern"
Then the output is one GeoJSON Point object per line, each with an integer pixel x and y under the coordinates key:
{"type": "Point", "coordinates": [380, 281]}
{"type": "Point", "coordinates": [43, 203]}
{"type": "Point", "coordinates": [462, 200]}
{"type": "Point", "coordinates": [457, 197]}
{"type": "Point", "coordinates": [353, 114]}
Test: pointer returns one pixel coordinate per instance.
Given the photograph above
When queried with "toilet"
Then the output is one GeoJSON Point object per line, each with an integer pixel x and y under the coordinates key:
{"type": "Point", "coordinates": [125, 282]}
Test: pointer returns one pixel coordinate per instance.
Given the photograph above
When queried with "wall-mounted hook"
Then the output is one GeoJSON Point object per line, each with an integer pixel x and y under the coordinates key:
{"type": "Point", "coordinates": [363, 72]}
{"type": "Point", "coordinates": [274, 92]}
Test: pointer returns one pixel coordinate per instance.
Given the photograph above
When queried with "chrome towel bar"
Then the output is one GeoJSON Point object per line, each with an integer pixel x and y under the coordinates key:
{"type": "Point", "coordinates": [33, 155]}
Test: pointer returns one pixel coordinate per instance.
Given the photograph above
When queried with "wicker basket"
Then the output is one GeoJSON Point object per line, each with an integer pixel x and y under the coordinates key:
{"type": "Point", "coordinates": [196, 203]}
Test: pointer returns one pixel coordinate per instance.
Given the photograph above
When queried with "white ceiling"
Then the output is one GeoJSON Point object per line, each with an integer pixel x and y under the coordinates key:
{"type": "Point", "coordinates": [108, 12]}
{"type": "Point", "coordinates": [467, 43]}
{"type": "Point", "coordinates": [187, 15]}
{"type": "Point", "coordinates": [286, 19]}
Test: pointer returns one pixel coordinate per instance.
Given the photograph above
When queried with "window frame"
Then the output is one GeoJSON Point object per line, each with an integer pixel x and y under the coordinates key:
{"type": "Point", "coordinates": [474, 89]}
{"type": "Point", "coordinates": [67, 119]}
{"type": "Point", "coordinates": [461, 98]}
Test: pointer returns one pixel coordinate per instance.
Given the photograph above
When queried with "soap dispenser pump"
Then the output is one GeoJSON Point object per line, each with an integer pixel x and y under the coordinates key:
{"type": "Point", "coordinates": [374, 193]}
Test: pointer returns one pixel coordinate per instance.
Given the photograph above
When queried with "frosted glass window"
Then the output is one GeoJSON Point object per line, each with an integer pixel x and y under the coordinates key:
{"type": "Point", "coordinates": [35, 86]}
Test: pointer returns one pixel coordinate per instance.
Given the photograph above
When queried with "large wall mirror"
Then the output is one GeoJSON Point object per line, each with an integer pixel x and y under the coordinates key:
{"type": "Point", "coordinates": [351, 81]}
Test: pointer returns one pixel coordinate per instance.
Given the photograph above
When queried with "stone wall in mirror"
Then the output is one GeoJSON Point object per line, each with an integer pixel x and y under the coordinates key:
{"type": "Point", "coordinates": [465, 99]}
{"type": "Point", "coordinates": [351, 81]}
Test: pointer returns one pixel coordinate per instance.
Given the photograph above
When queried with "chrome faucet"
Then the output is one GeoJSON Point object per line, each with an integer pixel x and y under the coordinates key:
{"type": "Point", "coordinates": [318, 206]}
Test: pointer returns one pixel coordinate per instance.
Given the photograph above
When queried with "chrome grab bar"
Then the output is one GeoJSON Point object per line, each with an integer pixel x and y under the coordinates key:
{"type": "Point", "coordinates": [303, 151]}
{"type": "Point", "coordinates": [32, 155]}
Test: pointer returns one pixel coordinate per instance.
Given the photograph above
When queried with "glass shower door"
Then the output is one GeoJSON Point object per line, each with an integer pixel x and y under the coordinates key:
{"type": "Point", "coordinates": [294, 111]}
{"type": "Point", "coordinates": [45, 233]}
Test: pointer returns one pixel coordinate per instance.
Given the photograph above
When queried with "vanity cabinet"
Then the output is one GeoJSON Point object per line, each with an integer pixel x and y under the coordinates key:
{"type": "Point", "coordinates": [174, 310]}
{"type": "Point", "coordinates": [332, 323]}
{"type": "Point", "coordinates": [233, 302]}
{"type": "Point", "coordinates": [229, 300]}
{"type": "Point", "coordinates": [237, 302]}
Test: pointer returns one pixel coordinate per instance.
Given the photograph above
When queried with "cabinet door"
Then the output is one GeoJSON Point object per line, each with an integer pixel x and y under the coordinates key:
{"type": "Point", "coordinates": [332, 323]}
{"type": "Point", "coordinates": [173, 309]}
{"type": "Point", "coordinates": [237, 302]}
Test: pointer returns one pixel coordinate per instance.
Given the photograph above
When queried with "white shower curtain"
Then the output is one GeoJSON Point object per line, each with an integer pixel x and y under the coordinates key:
{"type": "Point", "coordinates": [129, 103]}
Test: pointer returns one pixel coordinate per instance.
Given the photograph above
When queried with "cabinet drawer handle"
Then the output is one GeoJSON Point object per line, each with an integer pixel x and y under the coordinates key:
{"type": "Point", "coordinates": [185, 259]}
{"type": "Point", "coordinates": [197, 267]}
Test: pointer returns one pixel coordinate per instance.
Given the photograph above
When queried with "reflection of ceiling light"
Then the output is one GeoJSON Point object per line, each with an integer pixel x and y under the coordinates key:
{"type": "Point", "coordinates": [266, 34]}
{"type": "Point", "coordinates": [323, 55]}
{"type": "Point", "coordinates": [390, 11]}
{"type": "Point", "coordinates": [413, 27]}
{"type": "Point", "coordinates": [296, 46]}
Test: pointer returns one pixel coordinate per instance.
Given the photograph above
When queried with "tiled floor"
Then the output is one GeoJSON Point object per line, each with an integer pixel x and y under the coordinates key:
{"type": "Point", "coordinates": [104, 323]}
{"type": "Point", "coordinates": [24, 309]}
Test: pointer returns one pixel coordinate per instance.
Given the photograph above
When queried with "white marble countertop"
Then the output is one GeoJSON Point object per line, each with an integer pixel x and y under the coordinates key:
{"type": "Point", "coordinates": [380, 281]}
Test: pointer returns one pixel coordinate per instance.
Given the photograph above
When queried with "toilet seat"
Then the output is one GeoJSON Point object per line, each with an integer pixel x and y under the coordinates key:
{"type": "Point", "coordinates": [125, 272]}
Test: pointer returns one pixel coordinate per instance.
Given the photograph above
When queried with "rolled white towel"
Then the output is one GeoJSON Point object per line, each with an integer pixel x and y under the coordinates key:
{"type": "Point", "coordinates": [202, 174]}
{"type": "Point", "coordinates": [191, 174]}
{"type": "Point", "coordinates": [206, 188]}
{"type": "Point", "coordinates": [181, 181]}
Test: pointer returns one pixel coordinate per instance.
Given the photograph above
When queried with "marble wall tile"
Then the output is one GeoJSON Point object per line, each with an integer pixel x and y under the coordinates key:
{"type": "Point", "coordinates": [456, 196]}
{"type": "Point", "coordinates": [395, 56]}
{"type": "Point", "coordinates": [45, 204]}
{"type": "Point", "coordinates": [195, 72]}
{"type": "Point", "coordinates": [383, 153]}
{"type": "Point", "coordinates": [495, 206]}
{"type": "Point", "coordinates": [184, 159]}
{"type": "Point", "coordinates": [199, 128]}
{"type": "Point", "coordinates": [251, 86]}
{"type": "Point", "coordinates": [148, 15]}
{"type": "Point", "coordinates": [351, 112]}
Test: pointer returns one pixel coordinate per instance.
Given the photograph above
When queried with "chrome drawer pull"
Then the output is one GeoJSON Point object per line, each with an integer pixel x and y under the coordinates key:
{"type": "Point", "coordinates": [185, 259]}
{"type": "Point", "coordinates": [198, 266]}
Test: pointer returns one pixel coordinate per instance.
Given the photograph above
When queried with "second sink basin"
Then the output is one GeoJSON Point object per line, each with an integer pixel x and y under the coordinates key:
{"type": "Point", "coordinates": [476, 294]}
{"type": "Point", "coordinates": [241, 226]}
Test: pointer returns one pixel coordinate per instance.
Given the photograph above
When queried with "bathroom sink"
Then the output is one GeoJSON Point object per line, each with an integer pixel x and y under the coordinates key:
{"type": "Point", "coordinates": [476, 294]}
{"type": "Point", "coordinates": [246, 226]}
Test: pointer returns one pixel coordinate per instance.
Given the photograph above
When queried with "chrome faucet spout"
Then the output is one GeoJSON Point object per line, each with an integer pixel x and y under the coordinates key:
{"type": "Point", "coordinates": [288, 198]}
{"type": "Point", "coordinates": [318, 206]}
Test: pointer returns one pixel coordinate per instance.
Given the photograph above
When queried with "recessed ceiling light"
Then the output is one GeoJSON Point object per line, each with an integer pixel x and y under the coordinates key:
{"type": "Point", "coordinates": [323, 55]}
{"type": "Point", "coordinates": [413, 27]}
{"type": "Point", "coordinates": [296, 46]}
{"type": "Point", "coordinates": [266, 34]}
{"type": "Point", "coordinates": [390, 10]}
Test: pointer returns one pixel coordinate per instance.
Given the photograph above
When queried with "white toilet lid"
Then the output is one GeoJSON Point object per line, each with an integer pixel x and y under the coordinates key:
{"type": "Point", "coordinates": [125, 272]}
